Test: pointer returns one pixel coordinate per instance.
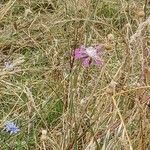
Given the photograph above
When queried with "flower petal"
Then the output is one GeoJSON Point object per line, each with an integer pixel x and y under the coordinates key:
{"type": "Point", "coordinates": [80, 53]}
{"type": "Point", "coordinates": [99, 48]}
{"type": "Point", "coordinates": [86, 62]}
{"type": "Point", "coordinates": [11, 127]}
{"type": "Point", "coordinates": [91, 52]}
{"type": "Point", "coordinates": [98, 62]}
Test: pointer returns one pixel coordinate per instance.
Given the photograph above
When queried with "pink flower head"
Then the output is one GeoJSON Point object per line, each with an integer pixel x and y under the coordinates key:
{"type": "Point", "coordinates": [89, 55]}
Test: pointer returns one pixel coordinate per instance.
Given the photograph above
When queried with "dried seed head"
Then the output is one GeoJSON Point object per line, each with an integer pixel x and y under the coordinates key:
{"type": "Point", "coordinates": [108, 46]}
{"type": "Point", "coordinates": [110, 37]}
{"type": "Point", "coordinates": [44, 135]}
{"type": "Point", "coordinates": [82, 3]}
{"type": "Point", "coordinates": [43, 138]}
{"type": "Point", "coordinates": [109, 91]}
{"type": "Point", "coordinates": [113, 84]}
{"type": "Point", "coordinates": [128, 25]}
{"type": "Point", "coordinates": [44, 132]}
{"type": "Point", "coordinates": [83, 102]}
{"type": "Point", "coordinates": [27, 11]}
{"type": "Point", "coordinates": [111, 87]}
{"type": "Point", "coordinates": [140, 13]}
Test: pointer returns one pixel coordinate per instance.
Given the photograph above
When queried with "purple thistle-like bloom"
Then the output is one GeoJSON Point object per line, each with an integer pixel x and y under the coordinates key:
{"type": "Point", "coordinates": [89, 54]}
{"type": "Point", "coordinates": [11, 127]}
